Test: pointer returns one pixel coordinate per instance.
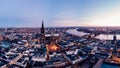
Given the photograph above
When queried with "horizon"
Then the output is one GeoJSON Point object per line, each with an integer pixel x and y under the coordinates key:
{"type": "Point", "coordinates": [67, 27]}
{"type": "Point", "coordinates": [60, 13]}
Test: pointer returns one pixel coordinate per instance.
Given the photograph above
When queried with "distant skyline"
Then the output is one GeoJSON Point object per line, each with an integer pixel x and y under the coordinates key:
{"type": "Point", "coordinates": [30, 13]}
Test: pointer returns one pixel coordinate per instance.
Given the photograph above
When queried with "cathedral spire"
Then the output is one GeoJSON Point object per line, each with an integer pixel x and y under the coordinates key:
{"type": "Point", "coordinates": [42, 33]}
{"type": "Point", "coordinates": [42, 28]}
{"type": "Point", "coordinates": [42, 24]}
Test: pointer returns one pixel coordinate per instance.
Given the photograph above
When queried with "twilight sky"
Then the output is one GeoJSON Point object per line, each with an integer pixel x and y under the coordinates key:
{"type": "Point", "coordinates": [30, 13]}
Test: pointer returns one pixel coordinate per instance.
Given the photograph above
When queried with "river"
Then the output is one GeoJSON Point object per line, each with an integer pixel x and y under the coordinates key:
{"type": "Point", "coordinates": [101, 36]}
{"type": "Point", "coordinates": [107, 36]}
{"type": "Point", "coordinates": [75, 32]}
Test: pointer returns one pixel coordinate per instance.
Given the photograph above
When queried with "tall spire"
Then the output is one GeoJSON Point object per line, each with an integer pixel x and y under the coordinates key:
{"type": "Point", "coordinates": [42, 33]}
{"type": "Point", "coordinates": [42, 24]}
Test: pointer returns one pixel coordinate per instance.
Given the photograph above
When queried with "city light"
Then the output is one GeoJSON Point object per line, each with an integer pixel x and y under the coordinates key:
{"type": "Point", "coordinates": [53, 47]}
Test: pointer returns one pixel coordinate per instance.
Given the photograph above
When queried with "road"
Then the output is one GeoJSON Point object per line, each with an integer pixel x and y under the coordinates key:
{"type": "Point", "coordinates": [13, 61]}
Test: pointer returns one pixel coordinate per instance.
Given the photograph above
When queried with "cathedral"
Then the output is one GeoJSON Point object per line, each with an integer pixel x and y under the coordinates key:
{"type": "Point", "coordinates": [40, 50]}
{"type": "Point", "coordinates": [42, 34]}
{"type": "Point", "coordinates": [45, 44]}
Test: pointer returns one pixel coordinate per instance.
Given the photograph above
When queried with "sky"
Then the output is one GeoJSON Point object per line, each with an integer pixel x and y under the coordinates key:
{"type": "Point", "coordinates": [30, 13]}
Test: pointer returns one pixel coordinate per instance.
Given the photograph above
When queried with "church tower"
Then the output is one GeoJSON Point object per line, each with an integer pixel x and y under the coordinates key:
{"type": "Point", "coordinates": [42, 34]}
